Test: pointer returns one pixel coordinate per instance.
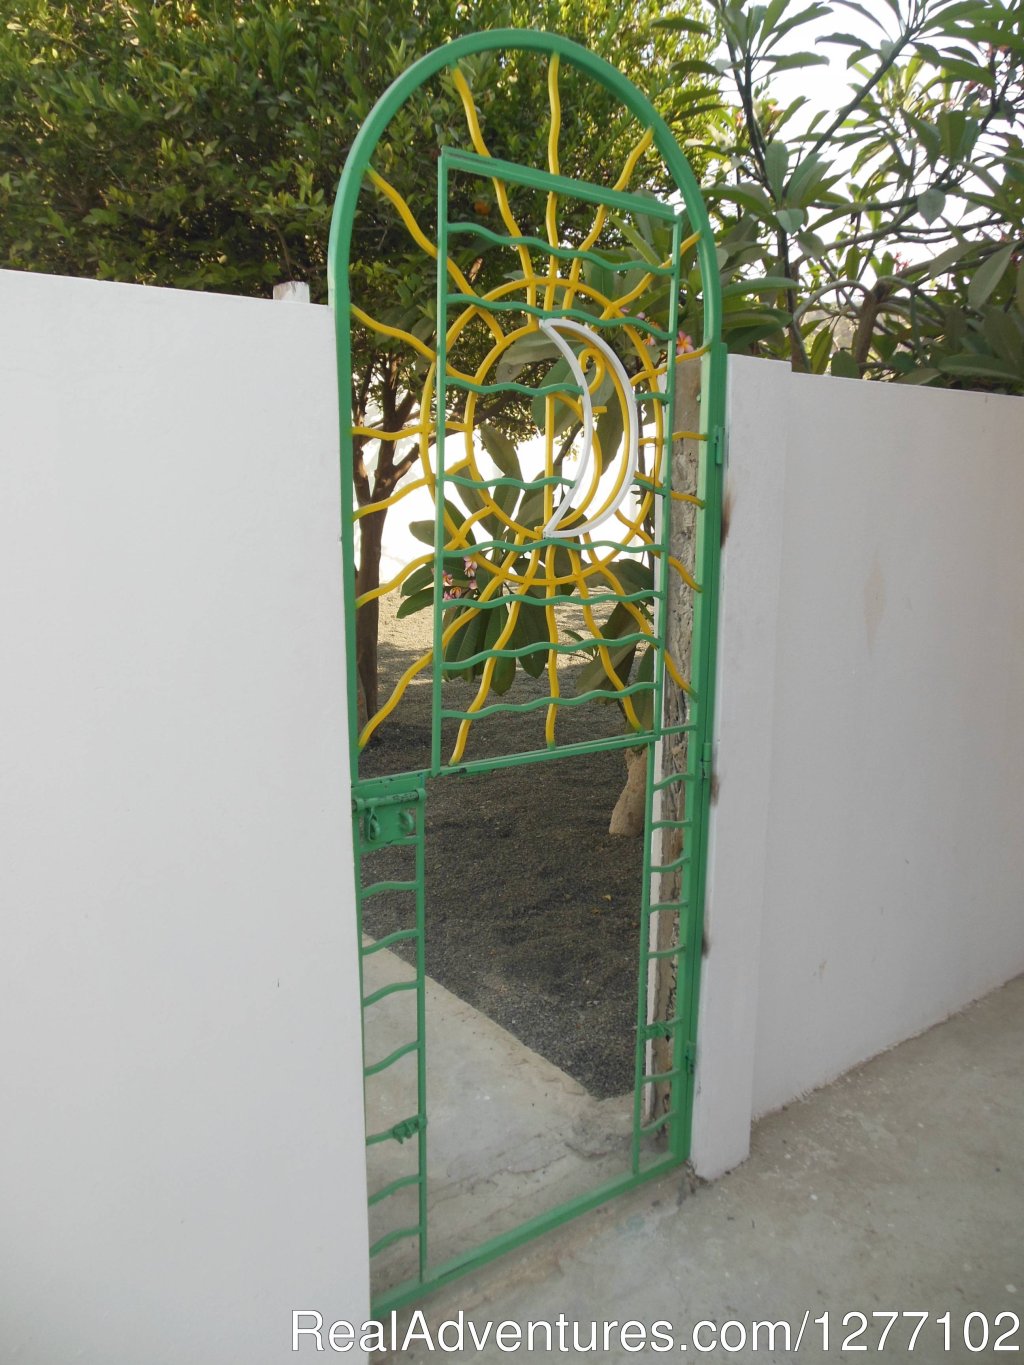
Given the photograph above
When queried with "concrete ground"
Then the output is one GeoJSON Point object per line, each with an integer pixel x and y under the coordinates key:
{"type": "Point", "coordinates": [510, 1135]}
{"type": "Point", "coordinates": [898, 1189]}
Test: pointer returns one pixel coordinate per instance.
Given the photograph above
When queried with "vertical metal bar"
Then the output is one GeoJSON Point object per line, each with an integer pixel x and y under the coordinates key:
{"type": "Point", "coordinates": [441, 390]}
{"type": "Point", "coordinates": [420, 817]}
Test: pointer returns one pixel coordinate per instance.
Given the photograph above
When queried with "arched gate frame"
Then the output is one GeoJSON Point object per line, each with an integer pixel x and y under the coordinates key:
{"type": "Point", "coordinates": [600, 541]}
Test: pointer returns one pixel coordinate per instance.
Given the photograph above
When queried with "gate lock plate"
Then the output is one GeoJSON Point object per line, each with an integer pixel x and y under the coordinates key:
{"type": "Point", "coordinates": [387, 816]}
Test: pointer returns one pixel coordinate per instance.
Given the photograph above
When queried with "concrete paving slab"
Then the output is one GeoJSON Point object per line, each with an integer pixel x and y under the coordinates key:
{"type": "Point", "coordinates": [899, 1188]}
{"type": "Point", "coordinates": [510, 1135]}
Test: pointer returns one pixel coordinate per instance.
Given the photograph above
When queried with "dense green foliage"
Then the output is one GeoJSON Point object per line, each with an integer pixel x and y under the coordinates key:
{"type": "Point", "coordinates": [199, 144]}
{"type": "Point", "coordinates": [898, 217]}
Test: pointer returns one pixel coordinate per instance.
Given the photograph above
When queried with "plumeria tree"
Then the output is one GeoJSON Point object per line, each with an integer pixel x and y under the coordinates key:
{"type": "Point", "coordinates": [894, 222]}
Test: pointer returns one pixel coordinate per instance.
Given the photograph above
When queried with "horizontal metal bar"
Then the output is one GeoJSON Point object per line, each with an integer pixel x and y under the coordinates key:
{"type": "Point", "coordinates": [385, 991]}
{"type": "Point", "coordinates": [578, 314]}
{"type": "Point", "coordinates": [399, 1132]}
{"type": "Point", "coordinates": [377, 888]}
{"type": "Point", "coordinates": [539, 702]}
{"type": "Point", "coordinates": [676, 906]}
{"type": "Point", "coordinates": [674, 866]}
{"type": "Point", "coordinates": [470, 1259]}
{"type": "Point", "coordinates": [672, 1075]}
{"type": "Point", "coordinates": [563, 253]}
{"type": "Point", "coordinates": [399, 798]}
{"type": "Point", "coordinates": [546, 646]}
{"type": "Point", "coordinates": [510, 386]}
{"type": "Point", "coordinates": [391, 1059]}
{"type": "Point", "coordinates": [661, 1028]}
{"type": "Point", "coordinates": [506, 481]}
{"type": "Point", "coordinates": [650, 1128]}
{"type": "Point", "coordinates": [393, 1188]}
{"type": "Point", "coordinates": [404, 841]}
{"type": "Point", "coordinates": [671, 824]}
{"type": "Point", "coordinates": [595, 600]}
{"type": "Point", "coordinates": [398, 936]}
{"type": "Point", "coordinates": [399, 1235]}
{"type": "Point", "coordinates": [666, 952]}
{"type": "Point", "coordinates": [494, 168]}
{"type": "Point", "coordinates": [633, 548]}
{"type": "Point", "coordinates": [664, 782]}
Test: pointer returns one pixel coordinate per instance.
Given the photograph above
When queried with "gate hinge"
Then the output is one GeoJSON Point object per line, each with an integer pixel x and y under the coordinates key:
{"type": "Point", "coordinates": [718, 444]}
{"type": "Point", "coordinates": [408, 1128]}
{"type": "Point", "coordinates": [705, 762]}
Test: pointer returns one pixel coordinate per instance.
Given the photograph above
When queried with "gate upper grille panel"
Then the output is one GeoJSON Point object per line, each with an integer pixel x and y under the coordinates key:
{"type": "Point", "coordinates": [544, 570]}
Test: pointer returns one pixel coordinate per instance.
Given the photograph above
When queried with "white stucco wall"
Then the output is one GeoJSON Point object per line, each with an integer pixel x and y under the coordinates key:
{"type": "Point", "coordinates": [181, 1151]}
{"type": "Point", "coordinates": [181, 1156]}
{"type": "Point", "coordinates": [867, 872]}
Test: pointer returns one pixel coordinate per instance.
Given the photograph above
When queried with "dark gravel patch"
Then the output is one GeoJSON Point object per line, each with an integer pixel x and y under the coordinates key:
{"type": "Point", "coordinates": [532, 908]}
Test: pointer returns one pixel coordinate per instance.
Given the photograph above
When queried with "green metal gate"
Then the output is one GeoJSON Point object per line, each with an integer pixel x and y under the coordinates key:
{"type": "Point", "coordinates": [585, 326]}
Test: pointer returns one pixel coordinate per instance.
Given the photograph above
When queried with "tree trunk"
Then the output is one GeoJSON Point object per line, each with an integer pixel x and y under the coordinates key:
{"type": "Point", "coordinates": [371, 531]}
{"type": "Point", "coordinates": [628, 815]}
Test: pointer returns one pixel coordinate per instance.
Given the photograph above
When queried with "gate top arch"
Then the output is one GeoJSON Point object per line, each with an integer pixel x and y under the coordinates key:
{"type": "Point", "coordinates": [566, 577]}
{"type": "Point", "coordinates": [577, 336]}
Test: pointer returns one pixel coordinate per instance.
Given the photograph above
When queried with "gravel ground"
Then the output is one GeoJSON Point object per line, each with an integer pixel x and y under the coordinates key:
{"type": "Point", "coordinates": [532, 908]}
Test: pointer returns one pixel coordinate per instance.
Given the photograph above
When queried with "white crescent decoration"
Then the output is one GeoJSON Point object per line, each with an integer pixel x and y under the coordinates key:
{"type": "Point", "coordinates": [551, 329]}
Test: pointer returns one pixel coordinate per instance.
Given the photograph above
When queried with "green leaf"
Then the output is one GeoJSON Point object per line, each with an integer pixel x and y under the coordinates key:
{"type": "Point", "coordinates": [988, 275]}
{"type": "Point", "coordinates": [749, 195]}
{"type": "Point", "coordinates": [930, 204]}
{"type": "Point", "coordinates": [594, 676]}
{"type": "Point", "coordinates": [530, 511]}
{"type": "Point", "coordinates": [531, 628]}
{"type": "Point", "coordinates": [527, 350]}
{"type": "Point", "coordinates": [1004, 335]}
{"type": "Point", "coordinates": [760, 284]}
{"type": "Point", "coordinates": [859, 9]}
{"type": "Point", "coordinates": [501, 450]}
{"type": "Point", "coordinates": [621, 621]}
{"type": "Point", "coordinates": [821, 349]}
{"type": "Point", "coordinates": [792, 219]}
{"type": "Point", "coordinates": [844, 366]}
{"type": "Point", "coordinates": [677, 23]}
{"type": "Point", "coordinates": [635, 576]}
{"type": "Point", "coordinates": [609, 430]}
{"type": "Point", "coordinates": [794, 60]}
{"type": "Point", "coordinates": [418, 579]}
{"type": "Point", "coordinates": [737, 342]}
{"type": "Point", "coordinates": [563, 414]}
{"type": "Point", "coordinates": [812, 12]}
{"type": "Point", "coordinates": [423, 530]}
{"type": "Point", "coordinates": [923, 375]}
{"type": "Point", "coordinates": [692, 66]}
{"type": "Point", "coordinates": [418, 600]}
{"type": "Point", "coordinates": [804, 182]}
{"type": "Point", "coordinates": [504, 675]}
{"type": "Point", "coordinates": [643, 702]}
{"type": "Point", "coordinates": [776, 160]}
{"type": "Point", "coordinates": [981, 367]}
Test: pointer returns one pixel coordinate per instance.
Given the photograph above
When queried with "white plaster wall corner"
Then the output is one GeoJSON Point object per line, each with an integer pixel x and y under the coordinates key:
{"type": "Point", "coordinates": [757, 420]}
{"type": "Point", "coordinates": [181, 1154]}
